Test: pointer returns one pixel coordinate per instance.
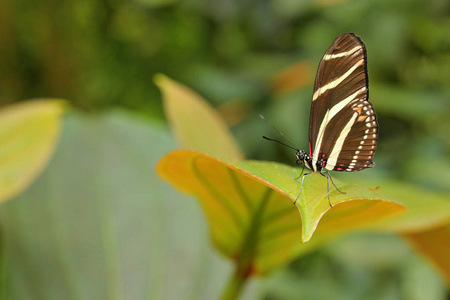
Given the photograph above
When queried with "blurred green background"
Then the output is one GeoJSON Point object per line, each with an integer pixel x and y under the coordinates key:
{"type": "Point", "coordinates": [245, 57]}
{"type": "Point", "coordinates": [103, 54]}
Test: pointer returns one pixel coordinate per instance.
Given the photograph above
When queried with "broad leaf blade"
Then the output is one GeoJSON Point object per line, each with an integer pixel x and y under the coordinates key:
{"type": "Point", "coordinates": [357, 208]}
{"type": "Point", "coordinates": [250, 212]}
{"type": "Point", "coordinates": [28, 135]}
{"type": "Point", "coordinates": [249, 222]}
{"type": "Point", "coordinates": [195, 123]}
{"type": "Point", "coordinates": [99, 223]}
{"type": "Point", "coordinates": [426, 224]}
{"type": "Point", "coordinates": [426, 208]}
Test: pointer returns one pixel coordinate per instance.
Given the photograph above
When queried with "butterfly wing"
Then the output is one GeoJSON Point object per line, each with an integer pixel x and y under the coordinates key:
{"type": "Point", "coordinates": [343, 128]}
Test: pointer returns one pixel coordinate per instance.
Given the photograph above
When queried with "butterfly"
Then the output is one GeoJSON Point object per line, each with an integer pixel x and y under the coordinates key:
{"type": "Point", "coordinates": [343, 126]}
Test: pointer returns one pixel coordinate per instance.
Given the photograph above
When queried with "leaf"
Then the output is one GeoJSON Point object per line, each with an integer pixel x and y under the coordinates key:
{"type": "Point", "coordinates": [426, 208]}
{"type": "Point", "coordinates": [249, 207]}
{"type": "Point", "coordinates": [195, 123]}
{"type": "Point", "coordinates": [29, 132]}
{"type": "Point", "coordinates": [356, 208]}
{"type": "Point", "coordinates": [99, 223]}
{"type": "Point", "coordinates": [435, 244]}
{"type": "Point", "coordinates": [426, 224]}
{"type": "Point", "coordinates": [248, 221]}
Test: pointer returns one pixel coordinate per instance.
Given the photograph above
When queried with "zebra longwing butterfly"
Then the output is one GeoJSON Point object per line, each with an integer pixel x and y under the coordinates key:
{"type": "Point", "coordinates": [343, 128]}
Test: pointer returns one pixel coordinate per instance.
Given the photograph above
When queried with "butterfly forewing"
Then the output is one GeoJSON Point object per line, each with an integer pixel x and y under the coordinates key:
{"type": "Point", "coordinates": [343, 129]}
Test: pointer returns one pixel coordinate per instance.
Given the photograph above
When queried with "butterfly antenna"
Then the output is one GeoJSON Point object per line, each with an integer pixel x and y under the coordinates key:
{"type": "Point", "coordinates": [269, 139]}
{"type": "Point", "coordinates": [289, 146]}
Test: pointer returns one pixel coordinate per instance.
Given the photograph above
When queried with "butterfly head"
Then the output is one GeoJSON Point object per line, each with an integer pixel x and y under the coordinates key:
{"type": "Point", "coordinates": [301, 157]}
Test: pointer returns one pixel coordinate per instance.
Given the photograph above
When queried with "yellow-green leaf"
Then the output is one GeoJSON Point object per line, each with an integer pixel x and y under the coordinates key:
{"type": "Point", "coordinates": [357, 208]}
{"type": "Point", "coordinates": [250, 211]}
{"type": "Point", "coordinates": [28, 135]}
{"type": "Point", "coordinates": [248, 221]}
{"type": "Point", "coordinates": [426, 208]}
{"type": "Point", "coordinates": [195, 123]}
{"type": "Point", "coordinates": [426, 224]}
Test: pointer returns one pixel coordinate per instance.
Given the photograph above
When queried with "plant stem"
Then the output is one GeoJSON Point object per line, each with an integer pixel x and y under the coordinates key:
{"type": "Point", "coordinates": [246, 257]}
{"type": "Point", "coordinates": [235, 285]}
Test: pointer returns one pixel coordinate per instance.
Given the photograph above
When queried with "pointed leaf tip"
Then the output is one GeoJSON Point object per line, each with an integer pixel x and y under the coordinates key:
{"type": "Point", "coordinates": [159, 79]}
{"type": "Point", "coordinates": [194, 121]}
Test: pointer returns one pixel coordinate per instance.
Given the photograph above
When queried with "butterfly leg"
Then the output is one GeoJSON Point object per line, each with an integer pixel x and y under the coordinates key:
{"type": "Point", "coordinates": [328, 186]}
{"type": "Point", "coordinates": [334, 184]}
{"type": "Point", "coordinates": [301, 185]}
{"type": "Point", "coordinates": [303, 169]}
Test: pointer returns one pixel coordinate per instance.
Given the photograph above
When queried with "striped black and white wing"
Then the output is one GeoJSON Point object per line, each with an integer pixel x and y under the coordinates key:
{"type": "Point", "coordinates": [343, 128]}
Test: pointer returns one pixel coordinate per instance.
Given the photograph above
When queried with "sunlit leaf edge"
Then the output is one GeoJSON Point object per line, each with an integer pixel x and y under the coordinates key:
{"type": "Point", "coordinates": [53, 108]}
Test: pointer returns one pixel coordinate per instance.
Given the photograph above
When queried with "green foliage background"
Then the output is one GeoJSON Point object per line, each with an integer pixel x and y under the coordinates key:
{"type": "Point", "coordinates": [102, 55]}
